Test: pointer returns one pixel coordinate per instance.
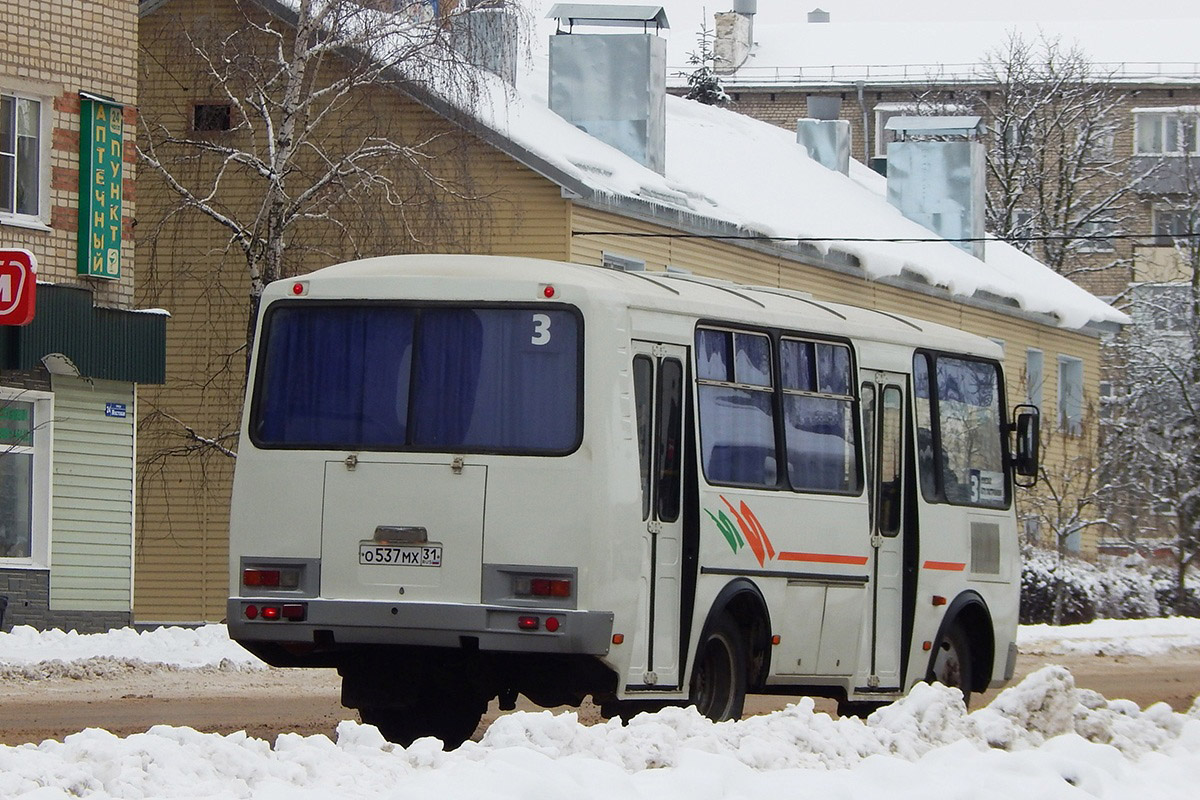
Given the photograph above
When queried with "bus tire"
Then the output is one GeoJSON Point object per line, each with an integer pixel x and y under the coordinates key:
{"type": "Point", "coordinates": [858, 708]}
{"type": "Point", "coordinates": [718, 689]}
{"type": "Point", "coordinates": [950, 664]}
{"type": "Point", "coordinates": [453, 721]}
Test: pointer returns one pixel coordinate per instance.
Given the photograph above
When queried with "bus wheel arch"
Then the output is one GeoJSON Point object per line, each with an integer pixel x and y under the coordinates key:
{"type": "Point", "coordinates": [967, 621]}
{"type": "Point", "coordinates": [742, 602]}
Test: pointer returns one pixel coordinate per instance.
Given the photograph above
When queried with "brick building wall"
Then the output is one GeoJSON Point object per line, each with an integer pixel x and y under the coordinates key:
{"type": "Point", "coordinates": [51, 51]}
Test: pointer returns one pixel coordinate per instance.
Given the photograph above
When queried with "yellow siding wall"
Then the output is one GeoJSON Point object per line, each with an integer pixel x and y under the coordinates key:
{"type": "Point", "coordinates": [193, 272]}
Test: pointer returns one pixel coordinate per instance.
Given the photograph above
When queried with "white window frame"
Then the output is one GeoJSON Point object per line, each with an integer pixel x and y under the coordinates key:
{"type": "Point", "coordinates": [42, 449]}
{"type": "Point", "coordinates": [1184, 121]}
{"type": "Point", "coordinates": [40, 219]}
{"type": "Point", "coordinates": [1035, 378]}
{"type": "Point", "coordinates": [1070, 395]}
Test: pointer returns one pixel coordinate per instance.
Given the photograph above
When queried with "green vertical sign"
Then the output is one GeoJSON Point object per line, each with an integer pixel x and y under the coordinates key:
{"type": "Point", "coordinates": [101, 146]}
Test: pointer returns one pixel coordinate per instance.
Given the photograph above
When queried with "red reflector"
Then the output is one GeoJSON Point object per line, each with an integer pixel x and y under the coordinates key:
{"type": "Point", "coordinates": [552, 624]}
{"type": "Point", "coordinates": [927, 646]}
{"type": "Point", "coordinates": [270, 612]}
{"type": "Point", "coordinates": [295, 612]}
{"type": "Point", "coordinates": [260, 577]}
{"type": "Point", "coordinates": [528, 623]}
{"type": "Point", "coordinates": [251, 612]}
{"type": "Point", "coordinates": [618, 638]}
{"type": "Point", "coordinates": [550, 587]}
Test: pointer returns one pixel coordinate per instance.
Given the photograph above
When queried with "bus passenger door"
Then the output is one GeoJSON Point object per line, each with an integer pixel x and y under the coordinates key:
{"type": "Point", "coordinates": [658, 373]}
{"type": "Point", "coordinates": [883, 403]}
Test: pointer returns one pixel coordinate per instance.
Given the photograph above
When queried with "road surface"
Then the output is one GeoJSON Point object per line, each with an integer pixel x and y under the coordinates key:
{"type": "Point", "coordinates": [270, 702]}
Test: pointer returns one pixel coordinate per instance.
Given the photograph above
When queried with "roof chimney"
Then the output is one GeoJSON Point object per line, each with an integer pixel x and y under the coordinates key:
{"type": "Point", "coordinates": [936, 182]}
{"type": "Point", "coordinates": [818, 15]}
{"type": "Point", "coordinates": [488, 35]}
{"type": "Point", "coordinates": [613, 86]}
{"type": "Point", "coordinates": [733, 36]}
{"type": "Point", "coordinates": [827, 142]}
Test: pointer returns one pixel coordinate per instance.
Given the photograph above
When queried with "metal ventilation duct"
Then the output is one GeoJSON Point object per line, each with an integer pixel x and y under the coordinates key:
{"type": "Point", "coordinates": [613, 86]}
{"type": "Point", "coordinates": [827, 142]}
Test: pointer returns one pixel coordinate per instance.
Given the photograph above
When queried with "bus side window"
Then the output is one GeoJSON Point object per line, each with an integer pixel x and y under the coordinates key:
{"type": "Point", "coordinates": [923, 403]}
{"type": "Point", "coordinates": [669, 444]}
{"type": "Point", "coordinates": [643, 376]}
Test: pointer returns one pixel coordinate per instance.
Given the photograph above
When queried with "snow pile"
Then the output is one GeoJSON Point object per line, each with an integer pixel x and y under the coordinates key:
{"type": "Point", "coordinates": [32, 654]}
{"type": "Point", "coordinates": [1111, 637]}
{"type": "Point", "coordinates": [1042, 738]}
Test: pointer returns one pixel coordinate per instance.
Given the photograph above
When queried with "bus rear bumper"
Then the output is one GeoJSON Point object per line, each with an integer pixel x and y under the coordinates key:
{"type": "Point", "coordinates": [314, 622]}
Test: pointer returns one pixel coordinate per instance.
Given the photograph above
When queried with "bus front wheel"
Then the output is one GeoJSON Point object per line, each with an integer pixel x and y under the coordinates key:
{"type": "Point", "coordinates": [951, 662]}
{"type": "Point", "coordinates": [719, 678]}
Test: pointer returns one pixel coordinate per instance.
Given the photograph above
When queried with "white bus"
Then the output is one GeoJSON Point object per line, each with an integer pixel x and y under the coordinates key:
{"type": "Point", "coordinates": [467, 477]}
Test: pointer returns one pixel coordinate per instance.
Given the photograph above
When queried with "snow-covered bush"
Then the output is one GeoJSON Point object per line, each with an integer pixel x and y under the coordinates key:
{"type": "Point", "coordinates": [1118, 590]}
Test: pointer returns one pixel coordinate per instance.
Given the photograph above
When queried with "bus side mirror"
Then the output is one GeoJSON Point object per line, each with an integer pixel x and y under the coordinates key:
{"type": "Point", "coordinates": [1029, 442]}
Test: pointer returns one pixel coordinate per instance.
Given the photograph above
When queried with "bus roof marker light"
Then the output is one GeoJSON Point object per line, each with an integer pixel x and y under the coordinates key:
{"type": "Point", "coordinates": [547, 291]}
{"type": "Point", "coordinates": [300, 288]}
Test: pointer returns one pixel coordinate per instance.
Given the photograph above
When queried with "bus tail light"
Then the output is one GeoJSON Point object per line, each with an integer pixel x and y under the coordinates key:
{"type": "Point", "coordinates": [271, 578]}
{"type": "Point", "coordinates": [528, 623]}
{"type": "Point", "coordinates": [542, 587]}
{"type": "Point", "coordinates": [270, 612]}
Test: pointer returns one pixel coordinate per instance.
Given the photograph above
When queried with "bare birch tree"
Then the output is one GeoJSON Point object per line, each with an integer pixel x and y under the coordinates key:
{"type": "Point", "coordinates": [284, 84]}
{"type": "Point", "coordinates": [1156, 419]}
{"type": "Point", "coordinates": [1056, 185]}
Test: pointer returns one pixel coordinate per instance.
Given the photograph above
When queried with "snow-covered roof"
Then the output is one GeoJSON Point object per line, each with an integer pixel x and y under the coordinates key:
{"type": "Point", "coordinates": [726, 172]}
{"type": "Point", "coordinates": [730, 174]}
{"type": "Point", "coordinates": [925, 46]}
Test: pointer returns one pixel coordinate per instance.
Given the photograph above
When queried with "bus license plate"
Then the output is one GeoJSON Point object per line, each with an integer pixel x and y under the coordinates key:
{"type": "Point", "coordinates": [400, 555]}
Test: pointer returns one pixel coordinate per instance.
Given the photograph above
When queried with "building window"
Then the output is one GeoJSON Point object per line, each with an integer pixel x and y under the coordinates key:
{"type": "Point", "coordinates": [1170, 223]}
{"type": "Point", "coordinates": [24, 477]}
{"type": "Point", "coordinates": [1165, 131]}
{"type": "Point", "coordinates": [1070, 395]}
{"type": "Point", "coordinates": [212, 117]}
{"type": "Point", "coordinates": [1093, 236]}
{"type": "Point", "coordinates": [22, 141]}
{"type": "Point", "coordinates": [1164, 307]}
{"type": "Point", "coordinates": [623, 263]}
{"type": "Point", "coordinates": [1034, 360]}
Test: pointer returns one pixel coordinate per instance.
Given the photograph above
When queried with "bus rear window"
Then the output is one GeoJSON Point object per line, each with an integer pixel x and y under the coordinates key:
{"type": "Point", "coordinates": [383, 377]}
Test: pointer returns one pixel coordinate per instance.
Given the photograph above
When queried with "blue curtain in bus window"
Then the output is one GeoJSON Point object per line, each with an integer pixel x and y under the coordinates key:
{"type": "Point", "coordinates": [714, 355]}
{"type": "Point", "coordinates": [496, 379]}
{"type": "Point", "coordinates": [924, 408]}
{"type": "Point", "coordinates": [820, 443]}
{"type": "Point", "coordinates": [737, 436]}
{"type": "Point", "coordinates": [833, 369]}
{"type": "Point", "coordinates": [335, 377]}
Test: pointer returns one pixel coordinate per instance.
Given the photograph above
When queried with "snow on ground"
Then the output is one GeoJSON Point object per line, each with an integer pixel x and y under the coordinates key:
{"type": "Point", "coordinates": [1112, 637]}
{"type": "Point", "coordinates": [1042, 738]}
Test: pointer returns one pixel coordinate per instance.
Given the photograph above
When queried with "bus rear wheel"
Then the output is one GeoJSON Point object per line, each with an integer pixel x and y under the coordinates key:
{"type": "Point", "coordinates": [719, 678]}
{"type": "Point", "coordinates": [951, 662]}
{"type": "Point", "coordinates": [453, 721]}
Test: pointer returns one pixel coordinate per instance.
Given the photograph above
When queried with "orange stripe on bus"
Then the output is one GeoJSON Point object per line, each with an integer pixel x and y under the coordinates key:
{"type": "Point", "coordinates": [823, 558]}
{"type": "Point", "coordinates": [949, 566]}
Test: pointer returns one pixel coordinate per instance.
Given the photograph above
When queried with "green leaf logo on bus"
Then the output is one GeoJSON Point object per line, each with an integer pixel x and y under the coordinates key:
{"type": "Point", "coordinates": [749, 531]}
